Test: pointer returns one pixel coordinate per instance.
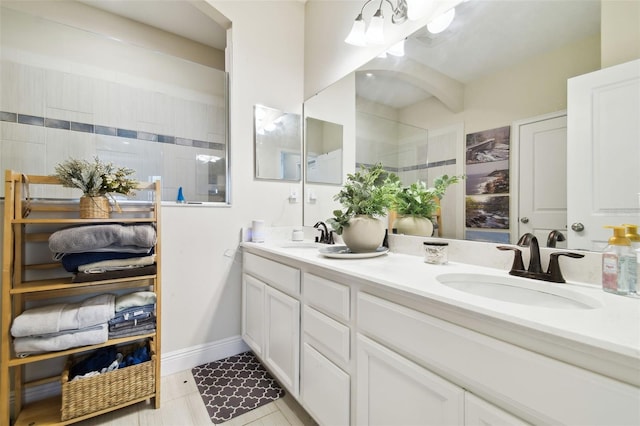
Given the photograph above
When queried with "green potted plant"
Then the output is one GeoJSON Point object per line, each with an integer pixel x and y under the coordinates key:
{"type": "Point", "coordinates": [97, 181]}
{"type": "Point", "coordinates": [366, 195]}
{"type": "Point", "coordinates": [416, 204]}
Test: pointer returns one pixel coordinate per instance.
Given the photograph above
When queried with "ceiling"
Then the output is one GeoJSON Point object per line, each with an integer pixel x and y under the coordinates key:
{"type": "Point", "coordinates": [485, 36]}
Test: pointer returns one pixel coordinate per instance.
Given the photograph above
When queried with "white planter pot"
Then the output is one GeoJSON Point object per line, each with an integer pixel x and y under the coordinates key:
{"type": "Point", "coordinates": [412, 225]}
{"type": "Point", "coordinates": [364, 234]}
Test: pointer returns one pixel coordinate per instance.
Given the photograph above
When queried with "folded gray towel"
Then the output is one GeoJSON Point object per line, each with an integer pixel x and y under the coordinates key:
{"type": "Point", "coordinates": [29, 345]}
{"type": "Point", "coordinates": [80, 239]}
{"type": "Point", "coordinates": [64, 316]}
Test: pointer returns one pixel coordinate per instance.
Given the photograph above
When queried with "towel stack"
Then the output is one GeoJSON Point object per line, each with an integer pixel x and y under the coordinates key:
{"type": "Point", "coordinates": [105, 251]}
{"type": "Point", "coordinates": [62, 326]}
{"type": "Point", "coordinates": [89, 322]}
{"type": "Point", "coordinates": [134, 314]}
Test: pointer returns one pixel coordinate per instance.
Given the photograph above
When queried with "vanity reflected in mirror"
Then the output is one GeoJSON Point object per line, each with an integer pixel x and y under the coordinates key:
{"type": "Point", "coordinates": [467, 80]}
{"type": "Point", "coordinates": [277, 144]}
{"type": "Point", "coordinates": [323, 151]}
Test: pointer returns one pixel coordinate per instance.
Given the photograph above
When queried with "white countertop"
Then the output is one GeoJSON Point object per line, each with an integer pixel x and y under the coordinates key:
{"type": "Point", "coordinates": [605, 339]}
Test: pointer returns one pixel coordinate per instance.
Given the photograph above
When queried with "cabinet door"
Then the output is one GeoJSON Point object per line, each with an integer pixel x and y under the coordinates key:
{"type": "Point", "coordinates": [282, 343]}
{"type": "Point", "coordinates": [481, 413]}
{"type": "Point", "coordinates": [325, 388]}
{"type": "Point", "coordinates": [253, 313]}
{"type": "Point", "coordinates": [393, 390]}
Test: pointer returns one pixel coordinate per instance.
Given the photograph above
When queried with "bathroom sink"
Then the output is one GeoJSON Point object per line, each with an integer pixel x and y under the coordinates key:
{"type": "Point", "coordinates": [519, 290]}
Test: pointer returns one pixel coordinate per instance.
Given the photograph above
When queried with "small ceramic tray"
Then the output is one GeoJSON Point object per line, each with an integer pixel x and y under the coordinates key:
{"type": "Point", "coordinates": [342, 252]}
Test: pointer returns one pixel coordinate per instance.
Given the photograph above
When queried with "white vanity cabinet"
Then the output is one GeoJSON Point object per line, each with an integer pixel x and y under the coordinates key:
{"type": "Point", "coordinates": [393, 390]}
{"type": "Point", "coordinates": [325, 386]}
{"type": "Point", "coordinates": [271, 317]}
{"type": "Point", "coordinates": [479, 412]}
{"type": "Point", "coordinates": [526, 384]}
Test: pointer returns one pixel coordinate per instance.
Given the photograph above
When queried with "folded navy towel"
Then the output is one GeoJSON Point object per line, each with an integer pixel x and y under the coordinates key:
{"type": "Point", "coordinates": [71, 261]}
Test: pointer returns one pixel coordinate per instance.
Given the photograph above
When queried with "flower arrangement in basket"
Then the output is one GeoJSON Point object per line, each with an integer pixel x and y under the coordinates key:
{"type": "Point", "coordinates": [97, 181]}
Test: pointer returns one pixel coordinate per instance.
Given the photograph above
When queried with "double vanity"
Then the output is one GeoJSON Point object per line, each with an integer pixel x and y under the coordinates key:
{"type": "Point", "coordinates": [393, 340]}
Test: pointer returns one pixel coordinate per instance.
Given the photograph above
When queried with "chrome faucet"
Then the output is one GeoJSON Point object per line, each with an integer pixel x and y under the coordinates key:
{"type": "Point", "coordinates": [534, 270]}
{"type": "Point", "coordinates": [554, 237]}
{"type": "Point", "coordinates": [326, 236]}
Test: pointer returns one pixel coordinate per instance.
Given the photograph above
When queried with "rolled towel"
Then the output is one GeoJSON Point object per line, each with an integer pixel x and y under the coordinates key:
{"type": "Point", "coordinates": [102, 237]}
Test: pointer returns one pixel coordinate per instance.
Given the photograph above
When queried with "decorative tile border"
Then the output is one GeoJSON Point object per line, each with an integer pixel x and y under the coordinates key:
{"type": "Point", "coordinates": [74, 126]}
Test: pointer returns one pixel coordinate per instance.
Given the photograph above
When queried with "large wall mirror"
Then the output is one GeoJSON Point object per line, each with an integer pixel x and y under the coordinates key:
{"type": "Point", "coordinates": [117, 85]}
{"type": "Point", "coordinates": [323, 151]}
{"type": "Point", "coordinates": [278, 144]}
{"type": "Point", "coordinates": [466, 80]}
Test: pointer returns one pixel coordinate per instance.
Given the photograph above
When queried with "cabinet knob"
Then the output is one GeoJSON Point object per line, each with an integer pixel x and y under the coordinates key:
{"type": "Point", "coordinates": [578, 227]}
{"type": "Point", "coordinates": [524, 220]}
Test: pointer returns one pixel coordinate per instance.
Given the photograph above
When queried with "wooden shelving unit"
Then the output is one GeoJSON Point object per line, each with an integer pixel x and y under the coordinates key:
{"type": "Point", "coordinates": [24, 220]}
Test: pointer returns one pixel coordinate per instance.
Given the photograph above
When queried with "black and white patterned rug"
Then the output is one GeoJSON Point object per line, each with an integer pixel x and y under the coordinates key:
{"type": "Point", "coordinates": [234, 385]}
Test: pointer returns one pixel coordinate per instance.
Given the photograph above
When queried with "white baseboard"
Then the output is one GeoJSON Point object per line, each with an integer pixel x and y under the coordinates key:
{"type": "Point", "coordinates": [171, 362]}
{"type": "Point", "coordinates": [187, 358]}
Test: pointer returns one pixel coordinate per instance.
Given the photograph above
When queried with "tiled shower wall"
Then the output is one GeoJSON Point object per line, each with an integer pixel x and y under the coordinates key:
{"type": "Point", "coordinates": [53, 109]}
{"type": "Point", "coordinates": [411, 152]}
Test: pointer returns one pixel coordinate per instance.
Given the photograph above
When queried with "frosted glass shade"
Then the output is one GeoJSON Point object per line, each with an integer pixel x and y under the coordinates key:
{"type": "Point", "coordinates": [357, 35]}
{"type": "Point", "coordinates": [397, 49]}
{"type": "Point", "coordinates": [442, 22]}
{"type": "Point", "coordinates": [375, 32]}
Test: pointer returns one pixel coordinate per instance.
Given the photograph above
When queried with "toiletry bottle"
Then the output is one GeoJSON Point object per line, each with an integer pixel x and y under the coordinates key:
{"type": "Point", "coordinates": [632, 234]}
{"type": "Point", "coordinates": [618, 263]}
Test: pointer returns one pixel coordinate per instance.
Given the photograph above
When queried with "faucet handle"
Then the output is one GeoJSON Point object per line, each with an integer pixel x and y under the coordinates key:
{"type": "Point", "coordinates": [555, 275]}
{"type": "Point", "coordinates": [517, 265]}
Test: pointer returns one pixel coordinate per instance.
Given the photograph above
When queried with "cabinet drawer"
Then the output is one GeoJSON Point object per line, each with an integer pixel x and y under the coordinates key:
{"type": "Point", "coordinates": [332, 338]}
{"type": "Point", "coordinates": [276, 274]}
{"type": "Point", "coordinates": [327, 296]}
{"type": "Point", "coordinates": [519, 378]}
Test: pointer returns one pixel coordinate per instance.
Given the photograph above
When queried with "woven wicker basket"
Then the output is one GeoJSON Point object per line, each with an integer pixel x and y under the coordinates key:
{"type": "Point", "coordinates": [94, 207]}
{"type": "Point", "coordinates": [92, 394]}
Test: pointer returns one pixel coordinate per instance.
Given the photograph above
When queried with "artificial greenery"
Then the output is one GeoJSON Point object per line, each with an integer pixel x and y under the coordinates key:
{"type": "Point", "coordinates": [419, 200]}
{"type": "Point", "coordinates": [95, 178]}
{"type": "Point", "coordinates": [369, 191]}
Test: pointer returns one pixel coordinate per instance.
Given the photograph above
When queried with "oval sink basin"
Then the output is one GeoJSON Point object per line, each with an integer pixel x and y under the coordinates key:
{"type": "Point", "coordinates": [519, 290]}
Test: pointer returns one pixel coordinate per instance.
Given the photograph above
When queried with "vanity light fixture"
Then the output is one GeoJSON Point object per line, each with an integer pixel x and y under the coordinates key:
{"type": "Point", "coordinates": [442, 22]}
{"type": "Point", "coordinates": [397, 49]}
{"type": "Point", "coordinates": [374, 35]}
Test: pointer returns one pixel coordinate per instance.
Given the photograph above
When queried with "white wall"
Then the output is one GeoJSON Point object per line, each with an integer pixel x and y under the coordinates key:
{"type": "Point", "coordinates": [201, 263]}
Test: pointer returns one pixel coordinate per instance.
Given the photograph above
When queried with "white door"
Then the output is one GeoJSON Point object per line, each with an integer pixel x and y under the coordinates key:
{"type": "Point", "coordinates": [603, 146]}
{"type": "Point", "coordinates": [542, 201]}
{"type": "Point", "coordinates": [282, 340]}
{"type": "Point", "coordinates": [391, 390]}
{"type": "Point", "coordinates": [253, 313]}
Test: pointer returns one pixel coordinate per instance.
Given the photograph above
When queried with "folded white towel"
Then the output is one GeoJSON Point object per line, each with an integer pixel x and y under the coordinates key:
{"type": "Point", "coordinates": [138, 298]}
{"type": "Point", "coordinates": [29, 345]}
{"type": "Point", "coordinates": [64, 316]}
{"type": "Point", "coordinates": [117, 264]}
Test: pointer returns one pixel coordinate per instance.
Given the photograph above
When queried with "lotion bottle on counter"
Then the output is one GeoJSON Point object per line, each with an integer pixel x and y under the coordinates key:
{"type": "Point", "coordinates": [632, 234]}
{"type": "Point", "coordinates": [618, 263]}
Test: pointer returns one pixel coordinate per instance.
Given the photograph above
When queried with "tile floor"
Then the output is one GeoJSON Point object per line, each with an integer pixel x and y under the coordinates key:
{"type": "Point", "coordinates": [181, 405]}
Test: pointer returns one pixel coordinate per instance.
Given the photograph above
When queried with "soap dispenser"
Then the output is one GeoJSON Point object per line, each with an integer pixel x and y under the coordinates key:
{"type": "Point", "coordinates": [618, 263]}
{"type": "Point", "coordinates": [632, 234]}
